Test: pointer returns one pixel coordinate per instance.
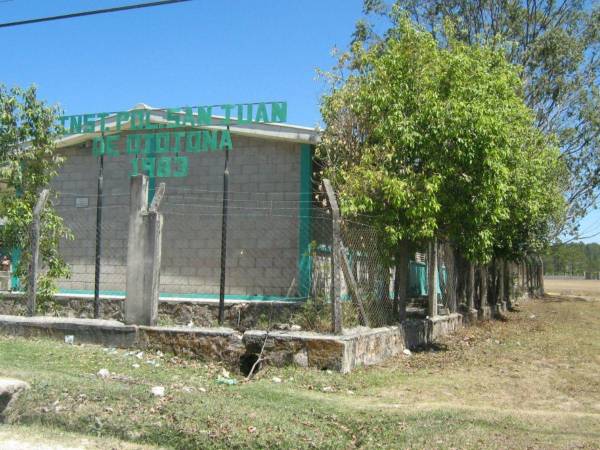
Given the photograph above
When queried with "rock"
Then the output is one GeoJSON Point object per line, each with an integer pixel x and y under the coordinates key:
{"type": "Point", "coordinates": [301, 358]}
{"type": "Point", "coordinates": [10, 389]}
{"type": "Point", "coordinates": [532, 316]}
{"type": "Point", "coordinates": [407, 352]}
{"type": "Point", "coordinates": [69, 339]}
{"type": "Point", "coordinates": [328, 389]}
{"type": "Point", "coordinates": [276, 380]}
{"type": "Point", "coordinates": [103, 373]}
{"type": "Point", "coordinates": [158, 391]}
{"type": "Point", "coordinates": [295, 328]}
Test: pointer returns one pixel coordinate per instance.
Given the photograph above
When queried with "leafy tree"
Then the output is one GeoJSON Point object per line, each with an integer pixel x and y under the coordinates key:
{"type": "Point", "coordinates": [429, 140]}
{"type": "Point", "coordinates": [28, 162]}
{"type": "Point", "coordinates": [557, 44]}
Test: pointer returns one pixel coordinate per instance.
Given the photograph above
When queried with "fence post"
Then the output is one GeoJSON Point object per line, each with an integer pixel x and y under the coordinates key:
{"type": "Point", "coordinates": [143, 254]}
{"type": "Point", "coordinates": [432, 279]}
{"type": "Point", "coordinates": [35, 251]}
{"type": "Point", "coordinates": [97, 261]}
{"type": "Point", "coordinates": [401, 281]}
{"type": "Point", "coordinates": [336, 307]}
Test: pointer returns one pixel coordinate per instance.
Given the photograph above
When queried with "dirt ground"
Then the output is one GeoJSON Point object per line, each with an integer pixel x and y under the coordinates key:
{"type": "Point", "coordinates": [585, 288]}
{"type": "Point", "coordinates": [528, 382]}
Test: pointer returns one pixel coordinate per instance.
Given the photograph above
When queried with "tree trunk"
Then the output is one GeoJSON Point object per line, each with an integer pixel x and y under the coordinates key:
{"type": "Point", "coordinates": [401, 281]}
{"type": "Point", "coordinates": [541, 276]}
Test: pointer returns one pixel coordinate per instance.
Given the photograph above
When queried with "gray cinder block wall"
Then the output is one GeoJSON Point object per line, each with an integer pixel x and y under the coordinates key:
{"type": "Point", "coordinates": [264, 186]}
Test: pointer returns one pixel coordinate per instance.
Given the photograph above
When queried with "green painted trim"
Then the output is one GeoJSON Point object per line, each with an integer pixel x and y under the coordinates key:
{"type": "Point", "coordinates": [167, 296]}
{"type": "Point", "coordinates": [15, 259]}
{"type": "Point", "coordinates": [304, 216]}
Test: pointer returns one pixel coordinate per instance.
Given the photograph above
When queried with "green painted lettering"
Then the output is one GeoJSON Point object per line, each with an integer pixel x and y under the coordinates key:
{"type": "Point", "coordinates": [109, 145]}
{"type": "Point", "coordinates": [240, 114]}
{"type": "Point", "coordinates": [173, 118]}
{"type": "Point", "coordinates": [182, 166]}
{"type": "Point", "coordinates": [149, 125]}
{"type": "Point", "coordinates": [102, 116]}
{"type": "Point", "coordinates": [204, 115]}
{"type": "Point", "coordinates": [148, 166]}
{"type": "Point", "coordinates": [122, 116]}
{"type": "Point", "coordinates": [225, 140]}
{"type": "Point", "coordinates": [279, 112]}
{"type": "Point", "coordinates": [177, 136]}
{"type": "Point", "coordinates": [261, 113]}
{"type": "Point", "coordinates": [209, 140]}
{"type": "Point", "coordinates": [74, 124]}
{"type": "Point", "coordinates": [98, 146]}
{"type": "Point", "coordinates": [163, 141]}
{"type": "Point", "coordinates": [148, 143]}
{"type": "Point", "coordinates": [163, 166]}
{"type": "Point", "coordinates": [134, 144]}
{"type": "Point", "coordinates": [227, 109]}
{"type": "Point", "coordinates": [188, 119]}
{"type": "Point", "coordinates": [63, 120]}
{"type": "Point", "coordinates": [89, 125]}
{"type": "Point", "coordinates": [193, 142]}
{"type": "Point", "coordinates": [137, 119]}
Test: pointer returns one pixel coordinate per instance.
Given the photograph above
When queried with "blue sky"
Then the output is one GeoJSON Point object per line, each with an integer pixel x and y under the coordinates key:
{"type": "Point", "coordinates": [194, 53]}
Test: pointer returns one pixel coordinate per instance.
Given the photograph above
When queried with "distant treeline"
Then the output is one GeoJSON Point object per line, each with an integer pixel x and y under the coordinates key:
{"type": "Point", "coordinates": [572, 259]}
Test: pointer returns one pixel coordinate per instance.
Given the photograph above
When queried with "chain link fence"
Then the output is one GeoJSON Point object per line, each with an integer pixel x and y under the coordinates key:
{"type": "Point", "coordinates": [271, 256]}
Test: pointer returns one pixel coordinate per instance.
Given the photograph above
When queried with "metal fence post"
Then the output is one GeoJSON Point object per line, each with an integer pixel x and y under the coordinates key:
{"type": "Point", "coordinates": [98, 237]}
{"type": "Point", "coordinates": [336, 309]}
{"type": "Point", "coordinates": [35, 252]}
{"type": "Point", "coordinates": [224, 239]}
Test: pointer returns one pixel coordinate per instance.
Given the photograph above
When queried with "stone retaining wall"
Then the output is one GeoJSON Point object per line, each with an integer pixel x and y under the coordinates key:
{"type": "Point", "coordinates": [241, 316]}
{"type": "Point", "coordinates": [354, 348]}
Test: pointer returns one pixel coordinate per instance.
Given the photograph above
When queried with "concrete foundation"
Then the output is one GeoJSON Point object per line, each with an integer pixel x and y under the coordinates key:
{"type": "Point", "coordinates": [354, 348]}
{"type": "Point", "coordinates": [108, 333]}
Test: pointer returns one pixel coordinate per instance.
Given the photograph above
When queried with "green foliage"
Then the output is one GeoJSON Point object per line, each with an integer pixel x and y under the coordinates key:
{"type": "Point", "coordinates": [28, 162]}
{"type": "Point", "coordinates": [425, 140]}
{"type": "Point", "coordinates": [557, 46]}
{"type": "Point", "coordinates": [573, 258]}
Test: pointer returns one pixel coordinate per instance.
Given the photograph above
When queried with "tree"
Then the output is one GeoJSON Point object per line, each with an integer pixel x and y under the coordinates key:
{"type": "Point", "coordinates": [28, 161]}
{"type": "Point", "coordinates": [429, 140]}
{"type": "Point", "coordinates": [557, 44]}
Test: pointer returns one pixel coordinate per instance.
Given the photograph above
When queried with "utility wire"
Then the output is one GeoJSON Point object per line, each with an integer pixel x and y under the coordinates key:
{"type": "Point", "coordinates": [90, 13]}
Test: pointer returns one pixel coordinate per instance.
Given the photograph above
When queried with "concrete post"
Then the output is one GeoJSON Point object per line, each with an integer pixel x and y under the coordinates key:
{"type": "Point", "coordinates": [432, 279]}
{"type": "Point", "coordinates": [143, 254]}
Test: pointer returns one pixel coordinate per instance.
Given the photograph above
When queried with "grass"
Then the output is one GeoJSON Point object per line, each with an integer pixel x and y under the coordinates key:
{"type": "Point", "coordinates": [529, 382]}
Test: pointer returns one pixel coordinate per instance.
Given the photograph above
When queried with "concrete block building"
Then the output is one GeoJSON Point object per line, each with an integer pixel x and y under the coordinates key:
{"type": "Point", "coordinates": [269, 210]}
